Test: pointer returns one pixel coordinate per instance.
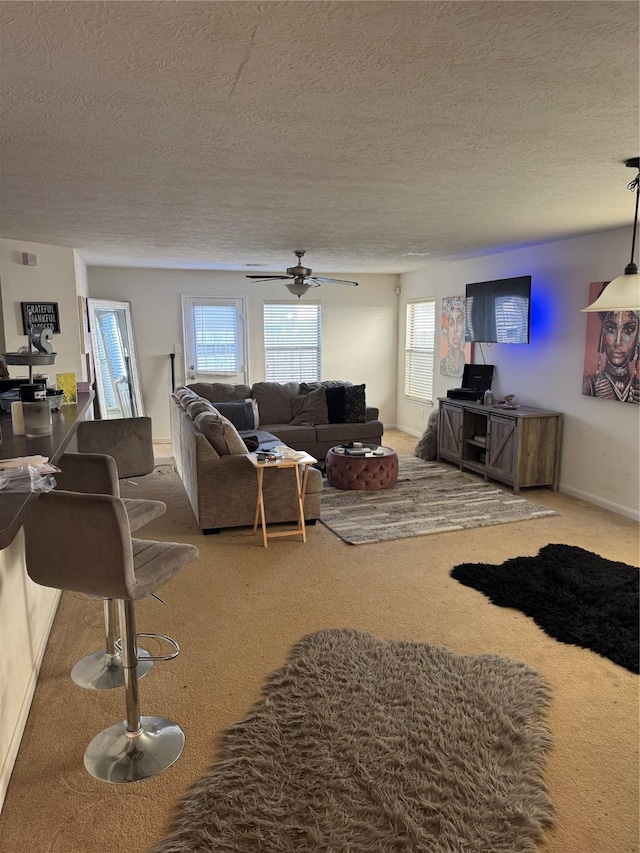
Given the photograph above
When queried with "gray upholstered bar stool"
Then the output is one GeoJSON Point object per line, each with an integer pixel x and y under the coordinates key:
{"type": "Point", "coordinates": [128, 440]}
{"type": "Point", "coordinates": [83, 543]}
{"type": "Point", "coordinates": [97, 473]}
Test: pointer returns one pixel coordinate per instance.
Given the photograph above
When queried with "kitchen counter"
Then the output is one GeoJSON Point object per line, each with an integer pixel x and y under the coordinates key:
{"type": "Point", "coordinates": [64, 425]}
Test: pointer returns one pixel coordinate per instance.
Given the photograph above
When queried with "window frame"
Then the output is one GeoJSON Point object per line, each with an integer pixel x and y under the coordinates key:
{"type": "Point", "coordinates": [411, 349]}
{"type": "Point", "coordinates": [239, 376]}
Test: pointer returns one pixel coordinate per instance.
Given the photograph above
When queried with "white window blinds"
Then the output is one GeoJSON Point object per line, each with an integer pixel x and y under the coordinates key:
{"type": "Point", "coordinates": [292, 342]}
{"type": "Point", "coordinates": [419, 354]}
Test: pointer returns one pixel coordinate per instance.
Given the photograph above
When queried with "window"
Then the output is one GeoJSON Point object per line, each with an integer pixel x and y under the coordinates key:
{"type": "Point", "coordinates": [420, 350]}
{"type": "Point", "coordinates": [214, 338]}
{"type": "Point", "coordinates": [292, 342]}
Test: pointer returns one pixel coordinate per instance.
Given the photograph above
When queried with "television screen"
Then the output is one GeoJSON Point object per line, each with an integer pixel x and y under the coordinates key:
{"type": "Point", "coordinates": [498, 311]}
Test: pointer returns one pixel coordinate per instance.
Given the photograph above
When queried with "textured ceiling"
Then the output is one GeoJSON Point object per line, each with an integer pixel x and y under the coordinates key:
{"type": "Point", "coordinates": [218, 134]}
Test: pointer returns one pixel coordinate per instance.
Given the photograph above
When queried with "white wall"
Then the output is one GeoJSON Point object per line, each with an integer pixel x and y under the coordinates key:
{"type": "Point", "coordinates": [601, 437]}
{"type": "Point", "coordinates": [359, 328]}
{"type": "Point", "coordinates": [54, 280]}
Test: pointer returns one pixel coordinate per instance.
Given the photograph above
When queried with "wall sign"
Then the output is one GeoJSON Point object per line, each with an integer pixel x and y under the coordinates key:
{"type": "Point", "coordinates": [42, 314]}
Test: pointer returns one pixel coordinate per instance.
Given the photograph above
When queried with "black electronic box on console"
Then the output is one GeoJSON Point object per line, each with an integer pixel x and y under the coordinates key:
{"type": "Point", "coordinates": [476, 379]}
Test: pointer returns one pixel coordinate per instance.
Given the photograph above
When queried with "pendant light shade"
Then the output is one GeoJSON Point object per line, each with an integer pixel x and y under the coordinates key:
{"type": "Point", "coordinates": [298, 288]}
{"type": "Point", "coordinates": [623, 293]}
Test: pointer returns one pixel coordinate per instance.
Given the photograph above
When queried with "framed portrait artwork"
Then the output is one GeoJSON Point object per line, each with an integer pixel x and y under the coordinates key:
{"type": "Point", "coordinates": [611, 369]}
{"type": "Point", "coordinates": [454, 352]}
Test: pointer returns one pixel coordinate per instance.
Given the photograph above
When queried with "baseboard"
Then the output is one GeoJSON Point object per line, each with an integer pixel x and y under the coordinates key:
{"type": "Point", "coordinates": [633, 514]}
{"type": "Point", "coordinates": [16, 737]}
{"type": "Point", "coordinates": [408, 430]}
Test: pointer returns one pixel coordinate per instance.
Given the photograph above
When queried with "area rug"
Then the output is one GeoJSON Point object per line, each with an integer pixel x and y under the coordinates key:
{"type": "Point", "coordinates": [575, 596]}
{"type": "Point", "coordinates": [428, 498]}
{"type": "Point", "coordinates": [366, 746]}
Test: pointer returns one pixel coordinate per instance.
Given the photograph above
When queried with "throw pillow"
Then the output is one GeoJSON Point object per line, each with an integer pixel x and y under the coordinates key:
{"type": "Point", "coordinates": [274, 400]}
{"type": "Point", "coordinates": [309, 408]}
{"type": "Point", "coordinates": [221, 433]}
{"type": "Point", "coordinates": [335, 404]}
{"type": "Point", "coordinates": [239, 412]}
{"type": "Point", "coordinates": [355, 407]}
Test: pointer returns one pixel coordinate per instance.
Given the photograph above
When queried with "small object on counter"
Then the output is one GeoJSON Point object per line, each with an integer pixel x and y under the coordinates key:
{"type": "Point", "coordinates": [21, 461]}
{"type": "Point", "coordinates": [66, 382]}
{"type": "Point", "coordinates": [17, 418]}
{"type": "Point", "coordinates": [33, 393]}
{"type": "Point", "coordinates": [488, 397]}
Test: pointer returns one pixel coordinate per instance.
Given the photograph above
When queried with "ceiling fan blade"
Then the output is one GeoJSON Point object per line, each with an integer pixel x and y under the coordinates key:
{"type": "Point", "coordinates": [335, 281]}
{"type": "Point", "coordinates": [268, 277]}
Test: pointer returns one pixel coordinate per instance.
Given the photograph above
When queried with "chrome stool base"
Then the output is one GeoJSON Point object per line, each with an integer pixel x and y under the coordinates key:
{"type": "Point", "coordinates": [117, 756]}
{"type": "Point", "coordinates": [102, 671]}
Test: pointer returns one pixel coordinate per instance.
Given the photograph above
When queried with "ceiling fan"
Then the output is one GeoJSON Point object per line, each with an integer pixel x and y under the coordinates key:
{"type": "Point", "coordinates": [300, 278]}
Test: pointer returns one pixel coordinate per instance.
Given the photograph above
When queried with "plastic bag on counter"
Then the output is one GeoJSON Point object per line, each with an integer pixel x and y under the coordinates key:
{"type": "Point", "coordinates": [35, 475]}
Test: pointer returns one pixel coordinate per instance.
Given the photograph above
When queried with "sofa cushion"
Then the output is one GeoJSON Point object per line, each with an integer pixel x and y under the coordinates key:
{"type": "Point", "coordinates": [294, 436]}
{"type": "Point", "coordinates": [309, 408]}
{"type": "Point", "coordinates": [341, 433]}
{"type": "Point", "coordinates": [188, 397]}
{"type": "Point", "coordinates": [221, 433]}
{"type": "Point", "coordinates": [241, 413]}
{"type": "Point", "coordinates": [221, 392]}
{"type": "Point", "coordinates": [195, 407]}
{"type": "Point", "coordinates": [274, 400]}
{"type": "Point", "coordinates": [355, 407]}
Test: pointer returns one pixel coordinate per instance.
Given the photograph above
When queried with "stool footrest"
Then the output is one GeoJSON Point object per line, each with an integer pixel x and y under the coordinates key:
{"type": "Point", "coordinates": [170, 640]}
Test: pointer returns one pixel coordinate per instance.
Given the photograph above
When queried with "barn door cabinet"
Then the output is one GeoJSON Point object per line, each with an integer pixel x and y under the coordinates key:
{"type": "Point", "coordinates": [520, 447]}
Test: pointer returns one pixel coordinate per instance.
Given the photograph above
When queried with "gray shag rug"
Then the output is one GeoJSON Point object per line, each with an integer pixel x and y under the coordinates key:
{"type": "Point", "coordinates": [427, 498]}
{"type": "Point", "coordinates": [373, 746]}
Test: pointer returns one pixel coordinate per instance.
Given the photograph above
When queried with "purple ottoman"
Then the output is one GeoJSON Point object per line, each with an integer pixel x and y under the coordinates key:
{"type": "Point", "coordinates": [368, 472]}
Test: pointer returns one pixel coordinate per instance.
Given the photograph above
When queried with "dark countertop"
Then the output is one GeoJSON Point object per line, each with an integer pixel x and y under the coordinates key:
{"type": "Point", "coordinates": [64, 424]}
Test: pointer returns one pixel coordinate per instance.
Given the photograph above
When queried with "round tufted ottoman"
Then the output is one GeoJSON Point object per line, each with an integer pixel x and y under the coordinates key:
{"type": "Point", "coordinates": [362, 473]}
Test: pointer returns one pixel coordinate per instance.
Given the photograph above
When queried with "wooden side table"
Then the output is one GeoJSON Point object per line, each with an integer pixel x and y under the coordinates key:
{"type": "Point", "coordinates": [303, 462]}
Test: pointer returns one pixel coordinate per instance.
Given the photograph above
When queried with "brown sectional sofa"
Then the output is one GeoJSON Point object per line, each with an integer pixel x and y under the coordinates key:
{"type": "Point", "coordinates": [219, 481]}
{"type": "Point", "coordinates": [276, 406]}
{"type": "Point", "coordinates": [222, 487]}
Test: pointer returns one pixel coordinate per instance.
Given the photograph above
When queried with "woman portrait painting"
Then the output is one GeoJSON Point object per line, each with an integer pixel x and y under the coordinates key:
{"type": "Point", "coordinates": [611, 369]}
{"type": "Point", "coordinates": [454, 353]}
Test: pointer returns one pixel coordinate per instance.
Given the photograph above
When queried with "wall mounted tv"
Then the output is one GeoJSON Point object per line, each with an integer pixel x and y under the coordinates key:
{"type": "Point", "coordinates": [497, 312]}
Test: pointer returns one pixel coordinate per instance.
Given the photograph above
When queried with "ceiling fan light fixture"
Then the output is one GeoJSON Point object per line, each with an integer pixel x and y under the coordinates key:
{"type": "Point", "coordinates": [623, 293]}
{"type": "Point", "coordinates": [298, 288]}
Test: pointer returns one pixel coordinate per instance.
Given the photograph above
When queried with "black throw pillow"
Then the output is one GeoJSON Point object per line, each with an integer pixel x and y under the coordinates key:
{"type": "Point", "coordinates": [335, 404]}
{"type": "Point", "coordinates": [355, 407]}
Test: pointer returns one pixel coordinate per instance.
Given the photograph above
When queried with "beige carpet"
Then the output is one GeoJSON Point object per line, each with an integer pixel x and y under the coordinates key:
{"type": "Point", "coordinates": [238, 611]}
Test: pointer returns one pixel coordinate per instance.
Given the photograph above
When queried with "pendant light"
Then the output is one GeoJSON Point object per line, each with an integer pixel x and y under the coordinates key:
{"type": "Point", "coordinates": [623, 293]}
{"type": "Point", "coordinates": [298, 287]}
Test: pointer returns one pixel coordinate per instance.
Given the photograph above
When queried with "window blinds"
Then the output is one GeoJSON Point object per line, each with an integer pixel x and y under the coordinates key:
{"type": "Point", "coordinates": [292, 342]}
{"type": "Point", "coordinates": [211, 333]}
{"type": "Point", "coordinates": [420, 350]}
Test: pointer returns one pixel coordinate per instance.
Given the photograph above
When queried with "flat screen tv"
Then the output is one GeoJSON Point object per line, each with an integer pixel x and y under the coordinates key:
{"type": "Point", "coordinates": [497, 312]}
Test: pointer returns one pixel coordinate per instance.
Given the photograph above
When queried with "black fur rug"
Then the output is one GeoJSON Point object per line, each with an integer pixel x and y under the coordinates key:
{"type": "Point", "coordinates": [575, 596]}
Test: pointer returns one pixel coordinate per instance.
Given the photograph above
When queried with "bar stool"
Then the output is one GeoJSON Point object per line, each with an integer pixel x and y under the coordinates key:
{"type": "Point", "coordinates": [83, 543]}
{"type": "Point", "coordinates": [97, 473]}
{"type": "Point", "coordinates": [128, 440]}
